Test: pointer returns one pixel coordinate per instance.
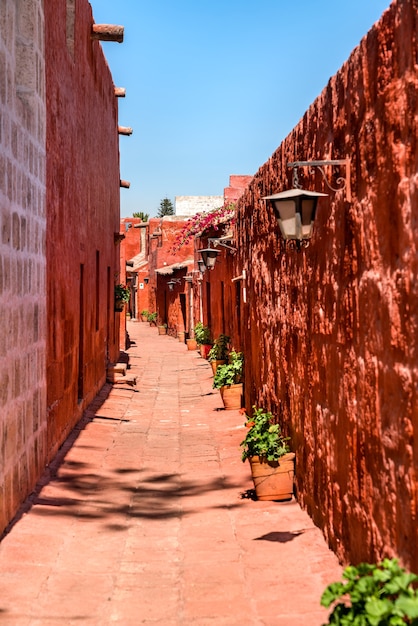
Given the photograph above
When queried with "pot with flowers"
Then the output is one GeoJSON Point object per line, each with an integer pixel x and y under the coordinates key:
{"type": "Point", "coordinates": [122, 295]}
{"type": "Point", "coordinates": [272, 463]}
{"type": "Point", "coordinates": [218, 354]}
{"type": "Point", "coordinates": [228, 379]}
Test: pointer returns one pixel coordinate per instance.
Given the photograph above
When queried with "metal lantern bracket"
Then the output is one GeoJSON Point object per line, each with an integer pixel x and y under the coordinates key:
{"type": "Point", "coordinates": [344, 182]}
{"type": "Point", "coordinates": [221, 242]}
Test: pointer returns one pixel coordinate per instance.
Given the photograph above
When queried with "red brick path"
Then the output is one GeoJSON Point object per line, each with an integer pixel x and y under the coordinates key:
{"type": "Point", "coordinates": [142, 519]}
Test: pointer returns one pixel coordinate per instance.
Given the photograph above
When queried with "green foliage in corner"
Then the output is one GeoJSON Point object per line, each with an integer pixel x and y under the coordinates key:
{"type": "Point", "coordinates": [380, 594]}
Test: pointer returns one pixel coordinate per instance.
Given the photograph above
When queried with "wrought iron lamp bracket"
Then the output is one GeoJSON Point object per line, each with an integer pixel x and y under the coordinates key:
{"type": "Point", "coordinates": [343, 182]}
{"type": "Point", "coordinates": [217, 242]}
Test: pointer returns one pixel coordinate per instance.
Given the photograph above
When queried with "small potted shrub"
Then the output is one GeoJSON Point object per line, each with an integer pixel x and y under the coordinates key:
{"type": "Point", "coordinates": [203, 337]}
{"type": "Point", "coordinates": [122, 296]}
{"type": "Point", "coordinates": [373, 595]}
{"type": "Point", "coordinates": [162, 329]}
{"type": "Point", "coordinates": [272, 463]}
{"type": "Point", "coordinates": [152, 319]}
{"type": "Point", "coordinates": [144, 315]}
{"type": "Point", "coordinates": [218, 354]}
{"type": "Point", "coordinates": [228, 379]}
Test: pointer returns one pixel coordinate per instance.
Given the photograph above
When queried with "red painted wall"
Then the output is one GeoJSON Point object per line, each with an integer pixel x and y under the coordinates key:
{"type": "Point", "coordinates": [330, 332]}
{"type": "Point", "coordinates": [82, 172]}
{"type": "Point", "coordinates": [167, 303]}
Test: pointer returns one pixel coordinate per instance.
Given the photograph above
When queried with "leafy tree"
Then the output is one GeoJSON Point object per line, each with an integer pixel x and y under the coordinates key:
{"type": "Point", "coordinates": [143, 216]}
{"type": "Point", "coordinates": [166, 208]}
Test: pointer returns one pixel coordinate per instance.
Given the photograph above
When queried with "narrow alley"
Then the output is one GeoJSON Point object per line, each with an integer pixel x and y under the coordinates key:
{"type": "Point", "coordinates": [144, 516]}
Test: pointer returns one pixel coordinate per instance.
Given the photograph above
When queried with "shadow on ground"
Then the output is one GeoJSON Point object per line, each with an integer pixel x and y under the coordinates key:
{"type": "Point", "coordinates": [123, 494]}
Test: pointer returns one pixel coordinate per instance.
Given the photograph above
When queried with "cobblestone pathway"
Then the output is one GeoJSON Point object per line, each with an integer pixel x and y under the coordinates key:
{"type": "Point", "coordinates": [143, 518]}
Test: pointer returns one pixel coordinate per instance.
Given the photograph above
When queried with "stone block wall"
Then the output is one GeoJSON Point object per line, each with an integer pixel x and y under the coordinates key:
{"type": "Point", "coordinates": [330, 332]}
{"type": "Point", "coordinates": [22, 252]}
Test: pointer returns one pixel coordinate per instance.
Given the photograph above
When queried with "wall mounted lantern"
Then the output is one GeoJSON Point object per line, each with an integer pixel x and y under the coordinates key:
{"type": "Point", "coordinates": [171, 283]}
{"type": "Point", "coordinates": [295, 211]}
{"type": "Point", "coordinates": [209, 256]}
{"type": "Point", "coordinates": [201, 265]}
{"type": "Point", "coordinates": [296, 208]}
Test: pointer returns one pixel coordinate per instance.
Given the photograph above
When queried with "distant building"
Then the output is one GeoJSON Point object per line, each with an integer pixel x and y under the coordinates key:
{"type": "Point", "coordinates": [186, 206]}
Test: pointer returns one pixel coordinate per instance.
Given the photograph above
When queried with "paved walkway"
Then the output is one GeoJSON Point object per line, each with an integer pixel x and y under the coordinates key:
{"type": "Point", "coordinates": [143, 520]}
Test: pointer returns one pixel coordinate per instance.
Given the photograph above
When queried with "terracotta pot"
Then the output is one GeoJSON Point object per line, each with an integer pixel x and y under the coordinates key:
{"type": "Point", "coordinates": [204, 350]}
{"type": "Point", "coordinates": [191, 344]}
{"type": "Point", "coordinates": [232, 396]}
{"type": "Point", "coordinates": [273, 480]}
{"type": "Point", "coordinates": [215, 364]}
{"type": "Point", "coordinates": [119, 305]}
{"type": "Point", "coordinates": [162, 330]}
{"type": "Point", "coordinates": [181, 335]}
{"type": "Point", "coordinates": [144, 318]}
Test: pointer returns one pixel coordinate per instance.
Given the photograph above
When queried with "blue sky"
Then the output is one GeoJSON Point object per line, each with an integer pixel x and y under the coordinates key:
{"type": "Point", "coordinates": [213, 87]}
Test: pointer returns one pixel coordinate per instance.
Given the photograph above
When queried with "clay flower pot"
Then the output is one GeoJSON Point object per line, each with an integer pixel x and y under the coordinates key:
{"type": "Point", "coordinates": [215, 364]}
{"type": "Point", "coordinates": [231, 396]}
{"type": "Point", "coordinates": [273, 480]}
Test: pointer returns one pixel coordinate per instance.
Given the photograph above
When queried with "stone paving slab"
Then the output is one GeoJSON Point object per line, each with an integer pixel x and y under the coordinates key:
{"type": "Point", "coordinates": [143, 519]}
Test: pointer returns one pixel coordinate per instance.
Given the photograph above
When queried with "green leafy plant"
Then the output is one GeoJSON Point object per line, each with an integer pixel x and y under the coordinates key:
{"type": "Point", "coordinates": [144, 217]}
{"type": "Point", "coordinates": [145, 313]}
{"type": "Point", "coordinates": [151, 317]}
{"type": "Point", "coordinates": [381, 594]}
{"type": "Point", "coordinates": [202, 334]}
{"type": "Point", "coordinates": [122, 292]}
{"type": "Point", "coordinates": [220, 349]}
{"type": "Point", "coordinates": [230, 373]}
{"type": "Point", "coordinates": [264, 439]}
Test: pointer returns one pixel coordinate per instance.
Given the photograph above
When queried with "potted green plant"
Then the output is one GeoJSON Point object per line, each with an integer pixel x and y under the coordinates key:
{"type": "Point", "coordinates": [218, 354]}
{"type": "Point", "coordinates": [152, 319]}
{"type": "Point", "coordinates": [271, 462]}
{"type": "Point", "coordinates": [122, 295]}
{"type": "Point", "coordinates": [203, 337]}
{"type": "Point", "coordinates": [228, 379]}
{"type": "Point", "coordinates": [144, 315]}
{"type": "Point", "coordinates": [162, 329]}
{"type": "Point", "coordinates": [373, 595]}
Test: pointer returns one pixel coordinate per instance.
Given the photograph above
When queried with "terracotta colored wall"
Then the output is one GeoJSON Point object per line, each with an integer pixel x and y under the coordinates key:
{"type": "Point", "coordinates": [330, 337]}
{"type": "Point", "coordinates": [83, 214]}
{"type": "Point", "coordinates": [22, 254]}
{"type": "Point", "coordinates": [222, 307]}
{"type": "Point", "coordinates": [161, 300]}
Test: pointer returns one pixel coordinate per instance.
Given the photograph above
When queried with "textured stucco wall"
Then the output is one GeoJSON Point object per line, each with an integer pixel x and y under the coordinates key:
{"type": "Point", "coordinates": [166, 303]}
{"type": "Point", "coordinates": [22, 253]}
{"type": "Point", "coordinates": [330, 332]}
{"type": "Point", "coordinates": [83, 196]}
{"type": "Point", "coordinates": [190, 205]}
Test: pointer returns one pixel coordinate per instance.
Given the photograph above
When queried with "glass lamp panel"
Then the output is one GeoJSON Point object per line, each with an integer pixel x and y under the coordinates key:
{"type": "Point", "coordinates": [308, 206]}
{"type": "Point", "coordinates": [286, 210]}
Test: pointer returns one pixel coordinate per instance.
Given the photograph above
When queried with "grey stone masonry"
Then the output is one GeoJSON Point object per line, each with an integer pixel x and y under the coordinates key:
{"type": "Point", "coordinates": [22, 252]}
